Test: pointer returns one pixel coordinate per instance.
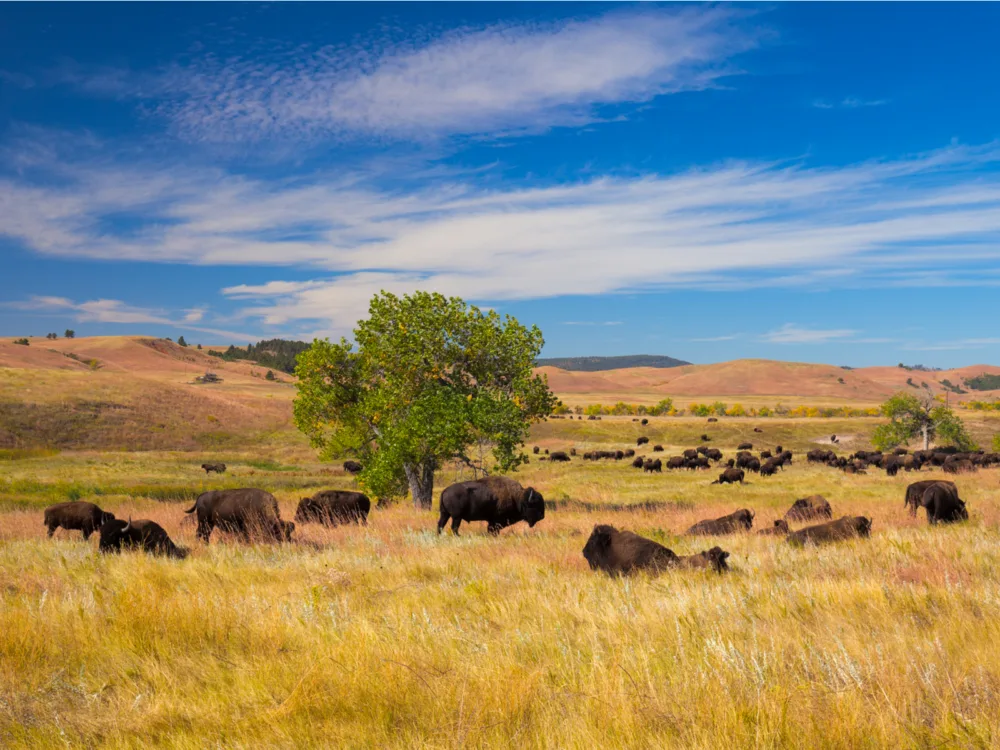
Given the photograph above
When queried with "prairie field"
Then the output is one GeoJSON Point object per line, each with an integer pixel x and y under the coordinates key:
{"type": "Point", "coordinates": [393, 636]}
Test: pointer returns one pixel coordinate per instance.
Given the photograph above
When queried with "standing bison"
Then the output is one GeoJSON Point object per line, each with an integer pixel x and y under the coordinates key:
{"type": "Point", "coordinates": [943, 504]}
{"type": "Point", "coordinates": [246, 511]}
{"type": "Point", "coordinates": [642, 441]}
{"type": "Point", "coordinates": [85, 517]}
{"type": "Point", "coordinates": [352, 467]}
{"type": "Point", "coordinates": [148, 536]}
{"type": "Point", "coordinates": [218, 468]}
{"type": "Point", "coordinates": [622, 552]}
{"type": "Point", "coordinates": [741, 520]}
{"type": "Point", "coordinates": [730, 476]}
{"type": "Point", "coordinates": [847, 527]}
{"type": "Point", "coordinates": [915, 492]}
{"type": "Point", "coordinates": [499, 501]}
{"type": "Point", "coordinates": [559, 456]}
{"type": "Point", "coordinates": [334, 507]}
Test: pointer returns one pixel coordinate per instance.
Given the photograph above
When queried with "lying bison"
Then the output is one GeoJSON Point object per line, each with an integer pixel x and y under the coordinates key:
{"type": "Point", "coordinates": [741, 520]}
{"type": "Point", "coordinates": [622, 552]}
{"type": "Point", "coordinates": [246, 511]}
{"type": "Point", "coordinates": [847, 527]}
{"type": "Point", "coordinates": [148, 536]}
{"type": "Point", "coordinates": [642, 441]}
{"type": "Point", "coordinates": [559, 456]}
{"type": "Point", "coordinates": [334, 507]}
{"type": "Point", "coordinates": [352, 467]}
{"type": "Point", "coordinates": [943, 504]}
{"type": "Point", "coordinates": [780, 528]}
{"type": "Point", "coordinates": [85, 517]}
{"type": "Point", "coordinates": [809, 509]}
{"type": "Point", "coordinates": [915, 492]}
{"type": "Point", "coordinates": [499, 501]}
{"type": "Point", "coordinates": [744, 447]}
{"type": "Point", "coordinates": [219, 468]}
{"type": "Point", "coordinates": [730, 476]}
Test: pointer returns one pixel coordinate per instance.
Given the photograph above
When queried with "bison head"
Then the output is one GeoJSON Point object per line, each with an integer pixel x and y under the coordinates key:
{"type": "Point", "coordinates": [718, 558]}
{"type": "Point", "coordinates": [113, 533]}
{"type": "Point", "coordinates": [532, 506]}
{"type": "Point", "coordinates": [863, 526]}
{"type": "Point", "coordinates": [596, 549]}
{"type": "Point", "coordinates": [106, 517]}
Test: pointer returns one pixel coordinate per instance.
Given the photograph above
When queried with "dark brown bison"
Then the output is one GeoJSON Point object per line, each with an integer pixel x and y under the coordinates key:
{"type": "Point", "coordinates": [690, 453]}
{"type": "Point", "coordinates": [809, 509]}
{"type": "Point", "coordinates": [705, 438]}
{"type": "Point", "coordinates": [652, 465]}
{"type": "Point", "coordinates": [499, 501]}
{"type": "Point", "coordinates": [714, 453]}
{"type": "Point", "coordinates": [741, 520]}
{"type": "Point", "coordinates": [637, 462]}
{"type": "Point", "coordinates": [629, 452]}
{"type": "Point", "coordinates": [536, 450]}
{"type": "Point", "coordinates": [959, 466]}
{"type": "Point", "coordinates": [246, 511]}
{"type": "Point", "coordinates": [915, 492]}
{"type": "Point", "coordinates": [769, 468]}
{"type": "Point", "coordinates": [352, 467]}
{"type": "Point", "coordinates": [676, 462]}
{"type": "Point", "coordinates": [644, 422]}
{"type": "Point", "coordinates": [218, 468]}
{"type": "Point", "coordinates": [85, 517]}
{"type": "Point", "coordinates": [713, 419]}
{"type": "Point", "coordinates": [943, 505]}
{"type": "Point", "coordinates": [730, 476]}
{"type": "Point", "coordinates": [559, 456]}
{"type": "Point", "coordinates": [657, 449]}
{"type": "Point", "coordinates": [642, 441]}
{"type": "Point", "coordinates": [847, 527]}
{"type": "Point", "coordinates": [744, 447]}
{"type": "Point", "coordinates": [146, 535]}
{"type": "Point", "coordinates": [334, 507]}
{"type": "Point", "coordinates": [780, 528]}
{"type": "Point", "coordinates": [623, 552]}
{"type": "Point", "coordinates": [757, 429]}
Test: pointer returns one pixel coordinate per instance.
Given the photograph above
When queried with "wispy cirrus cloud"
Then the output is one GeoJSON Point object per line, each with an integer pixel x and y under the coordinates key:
{"type": "Point", "coordinates": [793, 334]}
{"type": "Point", "coordinates": [917, 220]}
{"type": "Point", "coordinates": [499, 78]}
{"type": "Point", "coordinates": [849, 102]}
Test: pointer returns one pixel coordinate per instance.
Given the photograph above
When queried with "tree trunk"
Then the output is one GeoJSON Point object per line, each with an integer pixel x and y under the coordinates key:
{"type": "Point", "coordinates": [421, 479]}
{"type": "Point", "coordinates": [927, 439]}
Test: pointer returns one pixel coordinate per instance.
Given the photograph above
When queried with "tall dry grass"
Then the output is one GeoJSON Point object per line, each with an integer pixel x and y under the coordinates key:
{"type": "Point", "coordinates": [393, 636]}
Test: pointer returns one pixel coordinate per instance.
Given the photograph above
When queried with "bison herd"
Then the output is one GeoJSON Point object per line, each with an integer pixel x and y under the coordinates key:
{"type": "Point", "coordinates": [949, 459]}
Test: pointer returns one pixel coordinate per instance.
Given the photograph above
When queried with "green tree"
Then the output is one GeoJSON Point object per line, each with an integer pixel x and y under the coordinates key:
{"type": "Point", "coordinates": [270, 375]}
{"type": "Point", "coordinates": [70, 333]}
{"type": "Point", "coordinates": [181, 341]}
{"type": "Point", "coordinates": [909, 417]}
{"type": "Point", "coordinates": [427, 380]}
{"type": "Point", "coordinates": [662, 407]}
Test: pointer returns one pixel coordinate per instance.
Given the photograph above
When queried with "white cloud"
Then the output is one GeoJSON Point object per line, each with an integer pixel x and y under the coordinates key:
{"type": "Point", "coordinates": [915, 221]}
{"type": "Point", "coordinates": [465, 81]}
{"type": "Point", "coordinates": [793, 334]}
{"type": "Point", "coordinates": [850, 102]}
{"type": "Point", "coordinates": [709, 339]}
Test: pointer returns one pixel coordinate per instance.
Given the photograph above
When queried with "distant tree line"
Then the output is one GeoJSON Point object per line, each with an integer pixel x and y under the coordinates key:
{"type": "Point", "coordinates": [277, 354]}
{"type": "Point", "coordinates": [984, 382]}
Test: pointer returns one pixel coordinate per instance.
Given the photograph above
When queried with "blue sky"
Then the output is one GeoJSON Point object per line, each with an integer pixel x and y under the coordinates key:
{"type": "Point", "coordinates": [813, 182]}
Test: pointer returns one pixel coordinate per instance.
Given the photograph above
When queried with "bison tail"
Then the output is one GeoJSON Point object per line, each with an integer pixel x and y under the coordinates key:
{"type": "Point", "coordinates": [193, 508]}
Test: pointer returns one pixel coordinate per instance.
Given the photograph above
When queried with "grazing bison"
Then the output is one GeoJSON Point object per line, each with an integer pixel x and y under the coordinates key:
{"type": "Point", "coordinates": [705, 438]}
{"type": "Point", "coordinates": [334, 507]}
{"type": "Point", "coordinates": [744, 447]}
{"type": "Point", "coordinates": [847, 527]}
{"type": "Point", "coordinates": [943, 505]}
{"type": "Point", "coordinates": [85, 517]}
{"type": "Point", "coordinates": [764, 455]}
{"type": "Point", "coordinates": [676, 462]}
{"type": "Point", "coordinates": [652, 465]}
{"type": "Point", "coordinates": [769, 468]}
{"type": "Point", "coordinates": [780, 528]}
{"type": "Point", "coordinates": [218, 468]}
{"type": "Point", "coordinates": [353, 467]}
{"type": "Point", "coordinates": [690, 453]}
{"type": "Point", "coordinates": [629, 452]}
{"type": "Point", "coordinates": [637, 463]}
{"type": "Point", "coordinates": [657, 449]}
{"type": "Point", "coordinates": [499, 501]}
{"type": "Point", "coordinates": [536, 450]}
{"type": "Point", "coordinates": [148, 536]}
{"type": "Point", "coordinates": [730, 476]}
{"type": "Point", "coordinates": [642, 441]}
{"type": "Point", "coordinates": [644, 422]}
{"type": "Point", "coordinates": [713, 419]}
{"type": "Point", "coordinates": [714, 558]}
{"type": "Point", "coordinates": [741, 520]}
{"type": "Point", "coordinates": [245, 511]}
{"type": "Point", "coordinates": [915, 492]}
{"type": "Point", "coordinates": [959, 466]}
{"type": "Point", "coordinates": [809, 508]}
{"type": "Point", "coordinates": [714, 453]}
{"type": "Point", "coordinates": [559, 456]}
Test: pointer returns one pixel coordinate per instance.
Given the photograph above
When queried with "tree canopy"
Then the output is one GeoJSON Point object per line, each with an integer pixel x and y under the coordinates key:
{"type": "Point", "coordinates": [429, 379]}
{"type": "Point", "coordinates": [909, 417]}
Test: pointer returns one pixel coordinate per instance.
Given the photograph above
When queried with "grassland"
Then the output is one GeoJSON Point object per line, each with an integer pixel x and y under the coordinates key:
{"type": "Point", "coordinates": [393, 636]}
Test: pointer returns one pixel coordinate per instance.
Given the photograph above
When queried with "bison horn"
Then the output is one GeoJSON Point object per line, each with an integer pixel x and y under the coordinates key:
{"type": "Point", "coordinates": [128, 525]}
{"type": "Point", "coordinates": [531, 492]}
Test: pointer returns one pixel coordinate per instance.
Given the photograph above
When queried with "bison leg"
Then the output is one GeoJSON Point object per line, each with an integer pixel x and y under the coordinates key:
{"type": "Point", "coordinates": [455, 523]}
{"type": "Point", "coordinates": [204, 530]}
{"type": "Point", "coordinates": [443, 520]}
{"type": "Point", "coordinates": [87, 531]}
{"type": "Point", "coordinates": [52, 529]}
{"type": "Point", "coordinates": [494, 529]}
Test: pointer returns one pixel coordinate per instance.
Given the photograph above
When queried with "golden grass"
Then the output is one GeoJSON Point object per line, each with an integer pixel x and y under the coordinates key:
{"type": "Point", "coordinates": [393, 636]}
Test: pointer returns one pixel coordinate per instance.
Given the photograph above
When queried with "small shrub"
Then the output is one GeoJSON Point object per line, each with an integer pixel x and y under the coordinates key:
{"type": "Point", "coordinates": [22, 342]}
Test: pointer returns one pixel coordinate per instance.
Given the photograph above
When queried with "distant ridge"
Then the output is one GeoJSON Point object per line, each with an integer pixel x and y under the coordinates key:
{"type": "Point", "coordinates": [597, 364]}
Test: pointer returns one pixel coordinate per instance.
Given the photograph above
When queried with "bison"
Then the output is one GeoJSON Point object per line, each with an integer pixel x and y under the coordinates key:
{"type": "Point", "coordinates": [85, 517]}
{"type": "Point", "coordinates": [713, 419]}
{"type": "Point", "coordinates": [809, 508]}
{"type": "Point", "coordinates": [780, 528]}
{"type": "Point", "coordinates": [657, 449]}
{"type": "Point", "coordinates": [741, 520]}
{"type": "Point", "coordinates": [915, 492]}
{"type": "Point", "coordinates": [690, 453]}
{"type": "Point", "coordinates": [559, 456]}
{"type": "Point", "coordinates": [943, 505]}
{"type": "Point", "coordinates": [714, 453]}
{"type": "Point", "coordinates": [499, 501]}
{"type": "Point", "coordinates": [352, 467]}
{"type": "Point", "coordinates": [847, 527]}
{"type": "Point", "coordinates": [637, 462]}
{"type": "Point", "coordinates": [644, 422]}
{"type": "Point", "coordinates": [218, 468]}
{"type": "Point", "coordinates": [623, 552]}
{"type": "Point", "coordinates": [334, 507]}
{"type": "Point", "coordinates": [146, 535]}
{"type": "Point", "coordinates": [245, 511]}
{"type": "Point", "coordinates": [642, 441]}
{"type": "Point", "coordinates": [714, 558]}
{"type": "Point", "coordinates": [676, 462]}
{"type": "Point", "coordinates": [652, 465]}
{"type": "Point", "coordinates": [730, 476]}
{"type": "Point", "coordinates": [744, 447]}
